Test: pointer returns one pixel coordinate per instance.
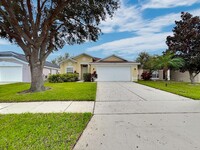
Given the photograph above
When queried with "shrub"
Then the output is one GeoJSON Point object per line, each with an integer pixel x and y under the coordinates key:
{"type": "Point", "coordinates": [59, 78]}
{"type": "Point", "coordinates": [146, 75]}
{"type": "Point", "coordinates": [70, 77]}
{"type": "Point", "coordinates": [87, 77]}
{"type": "Point", "coordinates": [55, 78]}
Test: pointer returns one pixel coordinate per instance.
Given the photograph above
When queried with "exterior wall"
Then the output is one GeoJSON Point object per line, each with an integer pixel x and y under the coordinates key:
{"type": "Point", "coordinates": [26, 74]}
{"type": "Point", "coordinates": [140, 71]}
{"type": "Point", "coordinates": [113, 59]}
{"type": "Point", "coordinates": [81, 60]}
{"type": "Point", "coordinates": [183, 76]}
{"type": "Point", "coordinates": [67, 63]}
{"type": "Point", "coordinates": [135, 73]}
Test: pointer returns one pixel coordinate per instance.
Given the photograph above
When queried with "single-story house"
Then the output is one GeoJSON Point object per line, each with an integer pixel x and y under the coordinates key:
{"type": "Point", "coordinates": [111, 68]}
{"type": "Point", "coordinates": [173, 75]}
{"type": "Point", "coordinates": [15, 68]}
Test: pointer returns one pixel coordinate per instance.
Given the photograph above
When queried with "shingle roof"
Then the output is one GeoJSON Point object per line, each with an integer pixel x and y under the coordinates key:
{"type": "Point", "coordinates": [23, 58]}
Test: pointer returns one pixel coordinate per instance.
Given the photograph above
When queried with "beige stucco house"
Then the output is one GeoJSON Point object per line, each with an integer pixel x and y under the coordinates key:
{"type": "Point", "coordinates": [111, 68]}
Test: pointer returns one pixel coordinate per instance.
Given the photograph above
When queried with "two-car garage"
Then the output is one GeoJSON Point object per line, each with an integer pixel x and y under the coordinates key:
{"type": "Point", "coordinates": [115, 68]}
{"type": "Point", "coordinates": [113, 73]}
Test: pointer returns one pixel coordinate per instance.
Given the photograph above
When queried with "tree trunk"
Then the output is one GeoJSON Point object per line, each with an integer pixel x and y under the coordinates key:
{"type": "Point", "coordinates": [37, 83]}
{"type": "Point", "coordinates": [191, 77]}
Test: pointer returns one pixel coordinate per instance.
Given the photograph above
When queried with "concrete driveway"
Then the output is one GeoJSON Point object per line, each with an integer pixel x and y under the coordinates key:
{"type": "Point", "coordinates": [130, 116]}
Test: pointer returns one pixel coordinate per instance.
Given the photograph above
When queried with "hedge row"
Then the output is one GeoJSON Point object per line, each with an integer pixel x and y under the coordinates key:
{"type": "Point", "coordinates": [59, 78]}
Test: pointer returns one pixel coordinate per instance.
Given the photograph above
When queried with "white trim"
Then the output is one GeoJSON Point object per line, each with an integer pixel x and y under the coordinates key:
{"type": "Point", "coordinates": [47, 67]}
{"type": "Point", "coordinates": [16, 59]}
{"type": "Point", "coordinates": [67, 60]}
{"type": "Point", "coordinates": [26, 62]}
{"type": "Point", "coordinates": [114, 64]}
{"type": "Point", "coordinates": [70, 67]}
{"type": "Point", "coordinates": [113, 55]}
{"type": "Point", "coordinates": [9, 64]}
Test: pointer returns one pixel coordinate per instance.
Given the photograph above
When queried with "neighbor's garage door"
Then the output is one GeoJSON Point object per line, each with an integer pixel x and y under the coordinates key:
{"type": "Point", "coordinates": [113, 73]}
{"type": "Point", "coordinates": [10, 74]}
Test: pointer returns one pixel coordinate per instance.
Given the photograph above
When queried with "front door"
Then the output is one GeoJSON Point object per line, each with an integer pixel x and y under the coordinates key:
{"type": "Point", "coordinates": [84, 69]}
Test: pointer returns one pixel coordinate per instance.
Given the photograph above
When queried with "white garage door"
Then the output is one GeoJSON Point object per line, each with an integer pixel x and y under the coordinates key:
{"type": "Point", "coordinates": [113, 73]}
{"type": "Point", "coordinates": [10, 74]}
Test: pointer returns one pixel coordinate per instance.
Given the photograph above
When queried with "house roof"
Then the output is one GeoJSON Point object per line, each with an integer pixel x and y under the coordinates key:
{"type": "Point", "coordinates": [121, 60]}
{"type": "Point", "coordinates": [81, 55]}
{"type": "Point", "coordinates": [73, 58]}
{"type": "Point", "coordinates": [23, 58]}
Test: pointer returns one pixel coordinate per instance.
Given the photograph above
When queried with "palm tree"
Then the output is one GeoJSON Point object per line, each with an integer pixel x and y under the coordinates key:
{"type": "Point", "coordinates": [168, 61]}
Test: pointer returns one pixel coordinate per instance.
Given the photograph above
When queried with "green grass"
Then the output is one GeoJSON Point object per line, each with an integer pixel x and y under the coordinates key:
{"type": "Point", "coordinates": [41, 131]}
{"type": "Point", "coordinates": [180, 88]}
{"type": "Point", "coordinates": [85, 91]}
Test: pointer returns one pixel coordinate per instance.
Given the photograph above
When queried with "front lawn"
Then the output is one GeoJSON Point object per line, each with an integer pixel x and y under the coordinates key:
{"type": "Point", "coordinates": [85, 91]}
{"type": "Point", "coordinates": [41, 131]}
{"type": "Point", "coordinates": [180, 88]}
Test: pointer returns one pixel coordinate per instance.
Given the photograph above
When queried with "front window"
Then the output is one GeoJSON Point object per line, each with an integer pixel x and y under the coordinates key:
{"type": "Point", "coordinates": [70, 69]}
{"type": "Point", "coordinates": [155, 74]}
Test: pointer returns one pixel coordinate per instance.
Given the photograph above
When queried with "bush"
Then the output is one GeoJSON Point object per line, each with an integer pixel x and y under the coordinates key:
{"type": "Point", "coordinates": [87, 77]}
{"type": "Point", "coordinates": [55, 78]}
{"type": "Point", "coordinates": [70, 77]}
{"type": "Point", "coordinates": [59, 78]}
{"type": "Point", "coordinates": [146, 75]}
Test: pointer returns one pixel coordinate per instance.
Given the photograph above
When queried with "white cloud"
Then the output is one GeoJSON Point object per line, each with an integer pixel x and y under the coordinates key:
{"type": "Point", "coordinates": [4, 42]}
{"type": "Point", "coordinates": [127, 18]}
{"type": "Point", "coordinates": [167, 3]}
{"type": "Point", "coordinates": [149, 34]}
{"type": "Point", "coordinates": [134, 45]}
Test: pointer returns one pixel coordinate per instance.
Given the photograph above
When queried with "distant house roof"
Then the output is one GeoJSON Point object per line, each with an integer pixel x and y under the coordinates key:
{"type": "Point", "coordinates": [23, 58]}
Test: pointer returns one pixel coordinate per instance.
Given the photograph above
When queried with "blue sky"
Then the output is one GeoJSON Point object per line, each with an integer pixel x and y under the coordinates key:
{"type": "Point", "coordinates": [139, 25]}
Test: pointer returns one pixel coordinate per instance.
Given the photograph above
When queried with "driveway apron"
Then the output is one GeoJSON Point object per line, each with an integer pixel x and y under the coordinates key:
{"type": "Point", "coordinates": [130, 116]}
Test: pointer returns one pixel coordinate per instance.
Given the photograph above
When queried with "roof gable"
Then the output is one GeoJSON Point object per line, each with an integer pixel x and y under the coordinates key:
{"type": "Point", "coordinates": [83, 54]}
{"type": "Point", "coordinates": [113, 58]}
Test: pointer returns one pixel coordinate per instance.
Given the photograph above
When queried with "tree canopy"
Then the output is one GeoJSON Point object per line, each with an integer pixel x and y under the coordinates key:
{"type": "Point", "coordinates": [185, 43]}
{"type": "Point", "coordinates": [40, 27]}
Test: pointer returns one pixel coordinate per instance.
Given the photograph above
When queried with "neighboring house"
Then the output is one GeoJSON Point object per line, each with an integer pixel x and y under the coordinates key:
{"type": "Point", "coordinates": [176, 75]}
{"type": "Point", "coordinates": [156, 75]}
{"type": "Point", "coordinates": [15, 68]}
{"type": "Point", "coordinates": [173, 75]}
{"type": "Point", "coordinates": [112, 68]}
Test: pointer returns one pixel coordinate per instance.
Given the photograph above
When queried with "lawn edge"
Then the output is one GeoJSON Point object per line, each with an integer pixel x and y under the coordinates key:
{"type": "Point", "coordinates": [82, 132]}
{"type": "Point", "coordinates": [169, 91]}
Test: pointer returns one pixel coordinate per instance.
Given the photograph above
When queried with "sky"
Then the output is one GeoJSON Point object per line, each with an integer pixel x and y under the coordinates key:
{"type": "Point", "coordinates": [137, 26]}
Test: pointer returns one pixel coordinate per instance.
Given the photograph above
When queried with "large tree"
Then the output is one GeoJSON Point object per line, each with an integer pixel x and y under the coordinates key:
{"type": "Point", "coordinates": [40, 27]}
{"type": "Point", "coordinates": [185, 43]}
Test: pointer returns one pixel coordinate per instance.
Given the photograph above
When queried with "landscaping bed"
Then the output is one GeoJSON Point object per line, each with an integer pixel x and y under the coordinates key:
{"type": "Point", "coordinates": [69, 91]}
{"type": "Point", "coordinates": [41, 131]}
{"type": "Point", "coordinates": [180, 88]}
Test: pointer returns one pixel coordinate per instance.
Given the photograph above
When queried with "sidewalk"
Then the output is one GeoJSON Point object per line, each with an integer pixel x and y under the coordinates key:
{"type": "Point", "coordinates": [47, 107]}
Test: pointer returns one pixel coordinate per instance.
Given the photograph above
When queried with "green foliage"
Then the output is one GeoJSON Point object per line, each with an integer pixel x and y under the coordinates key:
{"type": "Point", "coordinates": [60, 58]}
{"type": "Point", "coordinates": [87, 77]}
{"type": "Point", "coordinates": [59, 78]}
{"type": "Point", "coordinates": [167, 61]}
{"type": "Point", "coordinates": [66, 91]}
{"type": "Point", "coordinates": [69, 77]}
{"type": "Point", "coordinates": [143, 58]}
{"type": "Point", "coordinates": [55, 78]}
{"type": "Point", "coordinates": [180, 88]}
{"type": "Point", "coordinates": [41, 131]}
{"type": "Point", "coordinates": [185, 42]}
